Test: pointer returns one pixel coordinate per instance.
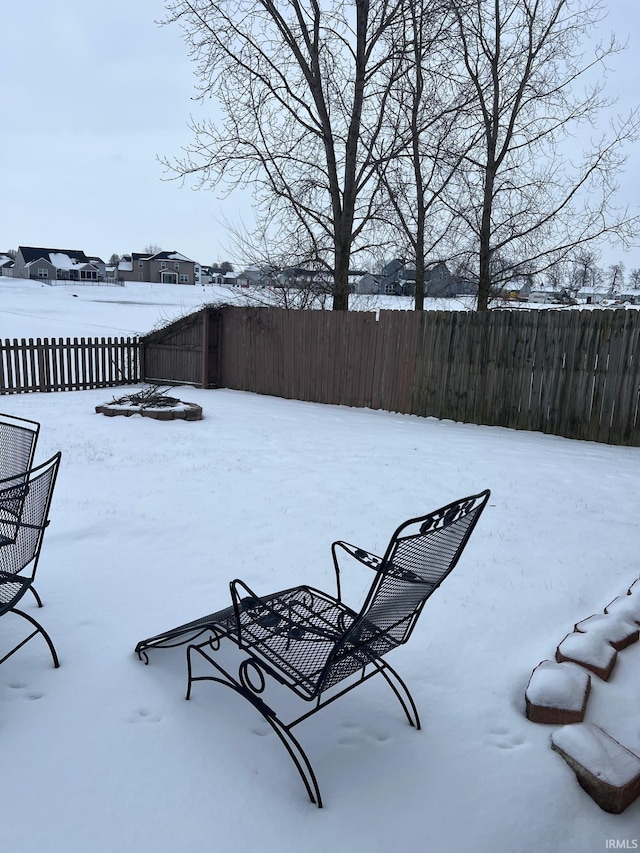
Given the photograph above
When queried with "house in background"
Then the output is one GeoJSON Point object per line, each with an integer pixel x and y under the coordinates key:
{"type": "Point", "coordinates": [363, 283]}
{"type": "Point", "coordinates": [217, 275]}
{"type": "Point", "coordinates": [255, 277]}
{"type": "Point", "coordinates": [465, 285]}
{"type": "Point", "coordinates": [399, 279]}
{"type": "Point", "coordinates": [389, 281]}
{"type": "Point", "coordinates": [6, 264]}
{"type": "Point", "coordinates": [438, 281]}
{"type": "Point", "coordinates": [57, 265]}
{"type": "Point", "coordinates": [160, 268]}
{"type": "Point", "coordinates": [298, 277]}
{"type": "Point", "coordinates": [208, 275]}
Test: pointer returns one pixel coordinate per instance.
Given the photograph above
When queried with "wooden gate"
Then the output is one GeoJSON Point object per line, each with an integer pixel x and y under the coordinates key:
{"type": "Point", "coordinates": [184, 352]}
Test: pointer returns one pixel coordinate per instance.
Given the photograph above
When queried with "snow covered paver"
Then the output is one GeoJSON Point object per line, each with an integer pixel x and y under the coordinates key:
{"type": "Point", "coordinates": [588, 650]}
{"type": "Point", "coordinates": [607, 770]}
{"type": "Point", "coordinates": [557, 693]}
{"type": "Point", "coordinates": [617, 631]}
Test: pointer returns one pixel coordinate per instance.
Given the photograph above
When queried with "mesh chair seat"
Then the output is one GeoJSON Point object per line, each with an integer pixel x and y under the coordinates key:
{"type": "Point", "coordinates": [295, 631]}
{"type": "Point", "coordinates": [12, 589]}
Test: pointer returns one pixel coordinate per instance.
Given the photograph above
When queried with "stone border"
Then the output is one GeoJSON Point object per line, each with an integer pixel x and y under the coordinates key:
{"type": "Point", "coordinates": [181, 412]}
{"type": "Point", "coordinates": [554, 700]}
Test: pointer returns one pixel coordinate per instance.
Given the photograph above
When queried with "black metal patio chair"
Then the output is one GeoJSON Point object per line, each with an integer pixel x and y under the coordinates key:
{"type": "Point", "coordinates": [315, 644]}
{"type": "Point", "coordinates": [18, 439]}
{"type": "Point", "coordinates": [24, 512]}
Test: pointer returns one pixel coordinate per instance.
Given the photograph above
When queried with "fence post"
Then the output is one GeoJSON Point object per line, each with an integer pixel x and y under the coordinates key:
{"type": "Point", "coordinates": [141, 366]}
{"type": "Point", "coordinates": [205, 348]}
{"type": "Point", "coordinates": [42, 383]}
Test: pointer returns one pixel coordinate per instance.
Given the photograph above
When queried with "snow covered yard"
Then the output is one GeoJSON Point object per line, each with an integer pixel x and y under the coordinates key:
{"type": "Point", "coordinates": [149, 523]}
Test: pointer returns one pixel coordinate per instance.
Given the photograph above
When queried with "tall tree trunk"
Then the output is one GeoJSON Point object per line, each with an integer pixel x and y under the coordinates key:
{"type": "Point", "coordinates": [418, 302]}
{"type": "Point", "coordinates": [485, 234]}
{"type": "Point", "coordinates": [341, 273]}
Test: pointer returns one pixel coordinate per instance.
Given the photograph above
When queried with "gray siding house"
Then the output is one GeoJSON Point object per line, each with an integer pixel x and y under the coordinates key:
{"type": "Point", "coordinates": [363, 283]}
{"type": "Point", "coordinates": [57, 265]}
{"type": "Point", "coordinates": [6, 265]}
{"type": "Point", "coordinates": [398, 279]}
{"type": "Point", "coordinates": [161, 268]}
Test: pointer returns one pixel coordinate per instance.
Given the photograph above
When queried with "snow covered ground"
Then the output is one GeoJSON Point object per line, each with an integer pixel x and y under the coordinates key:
{"type": "Point", "coordinates": [151, 520]}
{"type": "Point", "coordinates": [31, 309]}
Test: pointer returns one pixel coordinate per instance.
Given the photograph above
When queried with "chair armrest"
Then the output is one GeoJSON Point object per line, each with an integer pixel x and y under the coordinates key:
{"type": "Point", "coordinates": [365, 557]}
{"type": "Point", "coordinates": [240, 593]}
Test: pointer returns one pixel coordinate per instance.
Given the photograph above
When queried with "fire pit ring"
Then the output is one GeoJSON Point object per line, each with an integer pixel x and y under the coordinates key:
{"type": "Point", "coordinates": [151, 403]}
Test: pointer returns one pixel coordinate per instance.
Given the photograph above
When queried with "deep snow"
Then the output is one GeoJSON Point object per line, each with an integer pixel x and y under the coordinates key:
{"type": "Point", "coordinates": [151, 520]}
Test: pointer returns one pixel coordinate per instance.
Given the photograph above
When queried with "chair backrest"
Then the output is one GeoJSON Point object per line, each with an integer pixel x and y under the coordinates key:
{"type": "Point", "coordinates": [24, 511]}
{"type": "Point", "coordinates": [420, 555]}
{"type": "Point", "coordinates": [18, 439]}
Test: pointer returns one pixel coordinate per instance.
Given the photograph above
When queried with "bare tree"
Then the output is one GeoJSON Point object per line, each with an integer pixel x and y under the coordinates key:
{"type": "Point", "coordinates": [585, 273]}
{"type": "Point", "coordinates": [298, 83]}
{"type": "Point", "coordinates": [279, 273]}
{"type": "Point", "coordinates": [634, 277]}
{"type": "Point", "coordinates": [615, 278]}
{"type": "Point", "coordinates": [532, 197]}
{"type": "Point", "coordinates": [114, 260]}
{"type": "Point", "coordinates": [557, 277]}
{"type": "Point", "coordinates": [222, 266]}
{"type": "Point", "coordinates": [424, 110]}
{"type": "Point", "coordinates": [152, 249]}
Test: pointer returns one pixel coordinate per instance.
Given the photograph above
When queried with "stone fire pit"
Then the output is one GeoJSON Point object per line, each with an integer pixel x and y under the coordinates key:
{"type": "Point", "coordinates": [154, 403]}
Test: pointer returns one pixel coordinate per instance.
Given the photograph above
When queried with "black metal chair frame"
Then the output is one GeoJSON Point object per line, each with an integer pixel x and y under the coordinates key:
{"type": "Point", "coordinates": [24, 517]}
{"type": "Point", "coordinates": [317, 646]}
{"type": "Point", "coordinates": [18, 439]}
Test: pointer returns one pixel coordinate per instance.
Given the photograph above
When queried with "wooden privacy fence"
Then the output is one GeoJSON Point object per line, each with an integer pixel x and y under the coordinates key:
{"type": "Point", "coordinates": [66, 364]}
{"type": "Point", "coordinates": [570, 373]}
{"type": "Point", "coordinates": [566, 372]}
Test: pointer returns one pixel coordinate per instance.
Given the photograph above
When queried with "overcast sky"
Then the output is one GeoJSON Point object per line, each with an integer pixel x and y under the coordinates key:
{"type": "Point", "coordinates": [92, 93]}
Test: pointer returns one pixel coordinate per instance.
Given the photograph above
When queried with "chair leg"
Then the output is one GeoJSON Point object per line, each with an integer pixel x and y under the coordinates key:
{"type": "Point", "coordinates": [36, 596]}
{"type": "Point", "coordinates": [291, 744]}
{"type": "Point", "coordinates": [402, 693]}
{"type": "Point", "coordinates": [39, 630]}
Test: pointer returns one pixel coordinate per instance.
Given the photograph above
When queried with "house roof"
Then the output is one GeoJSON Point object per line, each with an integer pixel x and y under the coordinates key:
{"type": "Point", "coordinates": [63, 261]}
{"type": "Point", "coordinates": [298, 272]}
{"type": "Point", "coordinates": [60, 258]}
{"type": "Point", "coordinates": [392, 267]}
{"type": "Point", "coordinates": [38, 260]}
{"type": "Point", "coordinates": [253, 274]}
{"type": "Point", "coordinates": [173, 256]}
{"type": "Point", "coordinates": [33, 253]}
{"type": "Point", "coordinates": [160, 256]}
